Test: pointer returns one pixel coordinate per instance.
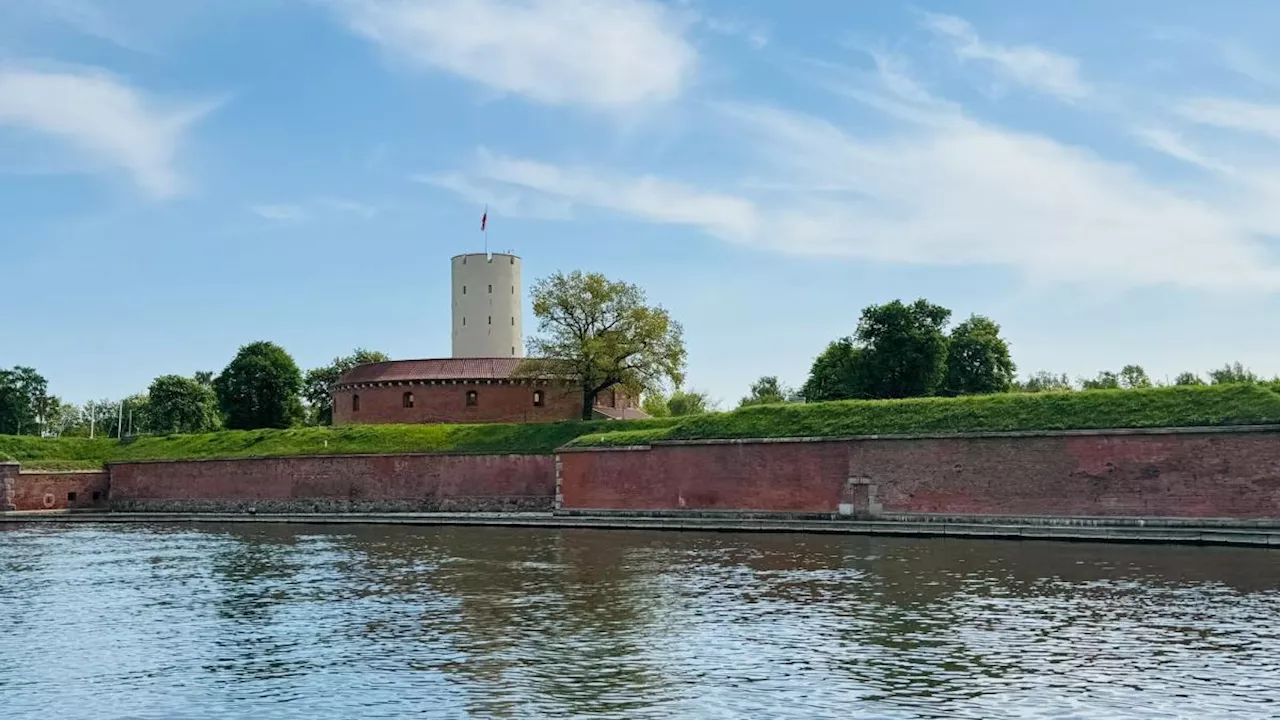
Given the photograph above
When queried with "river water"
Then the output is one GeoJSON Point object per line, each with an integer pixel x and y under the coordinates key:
{"type": "Point", "coordinates": [277, 621]}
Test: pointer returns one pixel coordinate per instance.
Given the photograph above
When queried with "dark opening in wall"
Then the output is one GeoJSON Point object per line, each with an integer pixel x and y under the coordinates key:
{"type": "Point", "coordinates": [97, 496]}
{"type": "Point", "coordinates": [538, 400]}
{"type": "Point", "coordinates": [355, 403]}
{"type": "Point", "coordinates": [407, 401]}
{"type": "Point", "coordinates": [473, 398]}
{"type": "Point", "coordinates": [71, 497]}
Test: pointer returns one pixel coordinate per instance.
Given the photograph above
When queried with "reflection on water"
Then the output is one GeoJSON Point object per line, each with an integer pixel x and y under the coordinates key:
{"type": "Point", "coordinates": [273, 621]}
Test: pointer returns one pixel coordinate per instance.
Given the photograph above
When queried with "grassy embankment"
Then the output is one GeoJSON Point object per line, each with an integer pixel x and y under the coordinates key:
{"type": "Point", "coordinates": [1103, 409]}
{"type": "Point", "coordinates": [85, 454]}
{"type": "Point", "coordinates": [1162, 407]}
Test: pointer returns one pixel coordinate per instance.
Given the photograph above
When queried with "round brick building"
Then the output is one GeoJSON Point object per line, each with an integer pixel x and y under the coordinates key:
{"type": "Point", "coordinates": [463, 390]}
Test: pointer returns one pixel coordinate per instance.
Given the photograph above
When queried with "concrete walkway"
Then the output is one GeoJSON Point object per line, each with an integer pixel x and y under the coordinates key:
{"type": "Point", "coordinates": [1129, 530]}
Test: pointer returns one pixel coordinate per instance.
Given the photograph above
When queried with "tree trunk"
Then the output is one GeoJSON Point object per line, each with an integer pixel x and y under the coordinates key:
{"type": "Point", "coordinates": [588, 403]}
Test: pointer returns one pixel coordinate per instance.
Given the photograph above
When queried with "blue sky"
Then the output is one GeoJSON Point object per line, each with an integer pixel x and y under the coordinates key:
{"type": "Point", "coordinates": [180, 178]}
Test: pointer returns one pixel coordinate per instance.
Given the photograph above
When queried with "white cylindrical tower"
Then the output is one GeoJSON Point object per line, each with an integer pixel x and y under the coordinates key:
{"type": "Point", "coordinates": [486, 306]}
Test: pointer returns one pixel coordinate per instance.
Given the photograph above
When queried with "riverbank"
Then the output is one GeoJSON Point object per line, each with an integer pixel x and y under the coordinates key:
{"type": "Point", "coordinates": [1184, 531]}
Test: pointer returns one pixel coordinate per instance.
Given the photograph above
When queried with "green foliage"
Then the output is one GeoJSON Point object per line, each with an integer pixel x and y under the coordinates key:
{"type": "Point", "coordinates": [521, 438]}
{"type": "Point", "coordinates": [179, 405]}
{"type": "Point", "coordinates": [1133, 377]}
{"type": "Point", "coordinates": [906, 348]}
{"type": "Point", "coordinates": [260, 388]}
{"type": "Point", "coordinates": [978, 360]}
{"type": "Point", "coordinates": [24, 395]}
{"type": "Point", "coordinates": [837, 374]}
{"type": "Point", "coordinates": [315, 387]}
{"type": "Point", "coordinates": [1044, 382]}
{"type": "Point", "coordinates": [1155, 407]}
{"type": "Point", "coordinates": [692, 402]}
{"type": "Point", "coordinates": [655, 405]}
{"type": "Point", "coordinates": [1188, 378]}
{"type": "Point", "coordinates": [767, 391]}
{"type": "Point", "coordinates": [1232, 374]}
{"type": "Point", "coordinates": [1106, 380]}
{"type": "Point", "coordinates": [603, 334]}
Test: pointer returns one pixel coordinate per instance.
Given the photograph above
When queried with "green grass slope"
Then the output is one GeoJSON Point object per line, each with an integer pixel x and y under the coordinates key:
{"type": "Point", "coordinates": [530, 438]}
{"type": "Point", "coordinates": [1157, 407]}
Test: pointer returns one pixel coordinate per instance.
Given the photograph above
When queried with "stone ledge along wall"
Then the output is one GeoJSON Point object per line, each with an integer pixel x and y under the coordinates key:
{"type": "Point", "coordinates": [25, 490]}
{"type": "Point", "coordinates": [1205, 473]}
{"type": "Point", "coordinates": [338, 483]}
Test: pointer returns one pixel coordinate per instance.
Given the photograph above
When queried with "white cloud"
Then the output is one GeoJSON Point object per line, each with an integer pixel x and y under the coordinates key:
{"type": "Point", "coordinates": [89, 18]}
{"type": "Point", "coordinates": [105, 118]}
{"type": "Point", "coordinates": [1172, 144]}
{"type": "Point", "coordinates": [598, 53]}
{"type": "Point", "coordinates": [1028, 65]}
{"type": "Point", "coordinates": [1234, 115]}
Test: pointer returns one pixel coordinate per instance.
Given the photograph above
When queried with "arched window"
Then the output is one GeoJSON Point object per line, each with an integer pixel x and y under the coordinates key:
{"type": "Point", "coordinates": [407, 401]}
{"type": "Point", "coordinates": [473, 398]}
{"type": "Point", "coordinates": [355, 403]}
{"type": "Point", "coordinates": [538, 399]}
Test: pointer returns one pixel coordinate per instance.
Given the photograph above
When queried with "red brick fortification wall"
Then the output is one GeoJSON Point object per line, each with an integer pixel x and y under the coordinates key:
{"type": "Point", "coordinates": [338, 483]}
{"type": "Point", "coordinates": [55, 490]}
{"type": "Point", "coordinates": [8, 474]}
{"type": "Point", "coordinates": [447, 403]}
{"type": "Point", "coordinates": [1168, 473]}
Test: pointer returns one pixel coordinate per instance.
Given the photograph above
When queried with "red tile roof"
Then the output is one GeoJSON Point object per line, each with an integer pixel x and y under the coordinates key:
{"type": "Point", "coordinates": [432, 369]}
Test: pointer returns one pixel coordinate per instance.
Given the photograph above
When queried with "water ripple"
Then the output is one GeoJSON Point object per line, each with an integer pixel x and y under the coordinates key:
{"type": "Point", "coordinates": [295, 622]}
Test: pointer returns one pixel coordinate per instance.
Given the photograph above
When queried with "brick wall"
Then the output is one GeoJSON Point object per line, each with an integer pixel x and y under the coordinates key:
{"type": "Point", "coordinates": [1232, 474]}
{"type": "Point", "coordinates": [338, 483]}
{"type": "Point", "coordinates": [58, 490]}
{"type": "Point", "coordinates": [447, 403]}
{"type": "Point", "coordinates": [8, 473]}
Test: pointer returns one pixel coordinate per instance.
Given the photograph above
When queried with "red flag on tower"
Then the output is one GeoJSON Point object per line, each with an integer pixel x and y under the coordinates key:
{"type": "Point", "coordinates": [484, 219]}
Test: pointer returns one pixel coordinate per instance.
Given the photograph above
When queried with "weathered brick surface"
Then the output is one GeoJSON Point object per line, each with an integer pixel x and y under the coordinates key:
{"type": "Point", "coordinates": [8, 474]}
{"type": "Point", "coordinates": [58, 490]}
{"type": "Point", "coordinates": [339, 483]}
{"type": "Point", "coordinates": [448, 404]}
{"type": "Point", "coordinates": [1230, 475]}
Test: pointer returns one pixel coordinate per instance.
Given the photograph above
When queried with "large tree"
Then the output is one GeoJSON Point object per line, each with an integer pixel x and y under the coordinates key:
{"type": "Point", "coordinates": [905, 348]}
{"type": "Point", "coordinates": [23, 401]}
{"type": "Point", "coordinates": [179, 405]}
{"type": "Point", "coordinates": [317, 384]}
{"type": "Point", "coordinates": [602, 333]}
{"type": "Point", "coordinates": [260, 388]}
{"type": "Point", "coordinates": [839, 373]}
{"type": "Point", "coordinates": [978, 360]}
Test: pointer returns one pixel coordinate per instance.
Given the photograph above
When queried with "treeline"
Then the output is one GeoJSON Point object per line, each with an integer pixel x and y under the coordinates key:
{"type": "Point", "coordinates": [262, 387]}
{"type": "Point", "coordinates": [904, 350]}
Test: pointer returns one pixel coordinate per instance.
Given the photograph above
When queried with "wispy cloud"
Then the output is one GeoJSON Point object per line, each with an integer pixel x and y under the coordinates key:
{"type": "Point", "coordinates": [597, 53]}
{"type": "Point", "coordinates": [943, 188]}
{"type": "Point", "coordinates": [104, 117]}
{"type": "Point", "coordinates": [1237, 115]}
{"type": "Point", "coordinates": [1028, 65]}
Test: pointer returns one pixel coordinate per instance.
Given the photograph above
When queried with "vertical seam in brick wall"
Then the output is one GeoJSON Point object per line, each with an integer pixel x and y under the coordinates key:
{"type": "Point", "coordinates": [559, 504]}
